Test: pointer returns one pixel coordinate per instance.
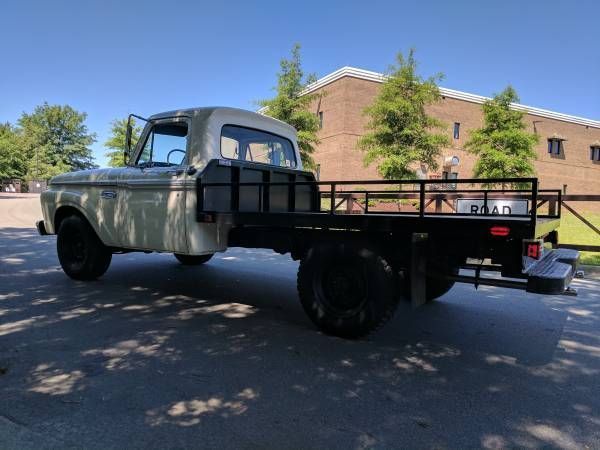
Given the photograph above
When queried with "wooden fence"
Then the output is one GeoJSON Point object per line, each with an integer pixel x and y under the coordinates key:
{"type": "Point", "coordinates": [438, 201]}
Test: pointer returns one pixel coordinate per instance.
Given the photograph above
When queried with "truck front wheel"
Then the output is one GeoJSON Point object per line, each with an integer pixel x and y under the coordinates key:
{"type": "Point", "coordinates": [347, 290]}
{"type": "Point", "coordinates": [192, 260]}
{"type": "Point", "coordinates": [81, 254]}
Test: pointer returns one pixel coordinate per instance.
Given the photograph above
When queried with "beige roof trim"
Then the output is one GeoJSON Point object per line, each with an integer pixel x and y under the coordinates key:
{"type": "Point", "coordinates": [378, 77]}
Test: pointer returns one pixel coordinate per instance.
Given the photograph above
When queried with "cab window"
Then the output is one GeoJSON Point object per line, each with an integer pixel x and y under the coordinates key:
{"type": "Point", "coordinates": [165, 145]}
{"type": "Point", "coordinates": [246, 144]}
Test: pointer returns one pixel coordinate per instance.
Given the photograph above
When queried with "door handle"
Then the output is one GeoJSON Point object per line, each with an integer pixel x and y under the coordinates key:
{"type": "Point", "coordinates": [175, 172]}
{"type": "Point", "coordinates": [109, 195]}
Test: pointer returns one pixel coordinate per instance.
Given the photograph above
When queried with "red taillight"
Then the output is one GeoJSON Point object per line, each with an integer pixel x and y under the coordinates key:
{"type": "Point", "coordinates": [498, 230]}
{"type": "Point", "coordinates": [534, 250]}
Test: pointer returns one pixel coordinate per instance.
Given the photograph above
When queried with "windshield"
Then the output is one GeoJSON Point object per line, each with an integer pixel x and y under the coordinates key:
{"type": "Point", "coordinates": [165, 145]}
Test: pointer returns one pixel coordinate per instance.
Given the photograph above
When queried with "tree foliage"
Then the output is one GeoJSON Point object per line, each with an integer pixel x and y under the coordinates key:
{"type": "Point", "coordinates": [55, 139]}
{"type": "Point", "coordinates": [13, 162]}
{"type": "Point", "coordinates": [117, 142]}
{"type": "Point", "coordinates": [503, 147]}
{"type": "Point", "coordinates": [291, 107]}
{"type": "Point", "coordinates": [400, 134]}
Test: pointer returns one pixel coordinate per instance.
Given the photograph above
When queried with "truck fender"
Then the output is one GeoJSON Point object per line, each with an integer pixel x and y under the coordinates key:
{"type": "Point", "coordinates": [73, 202]}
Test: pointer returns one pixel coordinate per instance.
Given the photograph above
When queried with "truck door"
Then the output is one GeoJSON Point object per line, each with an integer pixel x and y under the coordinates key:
{"type": "Point", "coordinates": [153, 189]}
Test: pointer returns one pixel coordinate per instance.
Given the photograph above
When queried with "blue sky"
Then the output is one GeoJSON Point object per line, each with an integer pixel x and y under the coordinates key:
{"type": "Point", "coordinates": [109, 58]}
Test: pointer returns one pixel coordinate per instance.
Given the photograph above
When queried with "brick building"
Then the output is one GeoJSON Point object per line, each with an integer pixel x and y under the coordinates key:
{"type": "Point", "coordinates": [568, 149]}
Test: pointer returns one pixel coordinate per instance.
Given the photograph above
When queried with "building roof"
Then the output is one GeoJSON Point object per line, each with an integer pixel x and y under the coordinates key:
{"type": "Point", "coordinates": [474, 98]}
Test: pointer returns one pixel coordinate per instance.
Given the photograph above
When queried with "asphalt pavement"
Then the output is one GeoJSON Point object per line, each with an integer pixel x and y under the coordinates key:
{"type": "Point", "coordinates": [158, 355]}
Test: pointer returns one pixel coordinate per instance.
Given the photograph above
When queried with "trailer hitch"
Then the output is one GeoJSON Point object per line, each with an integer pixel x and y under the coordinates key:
{"type": "Point", "coordinates": [478, 274]}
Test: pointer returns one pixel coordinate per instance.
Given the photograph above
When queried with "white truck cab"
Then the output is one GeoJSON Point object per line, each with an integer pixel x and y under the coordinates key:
{"type": "Point", "coordinates": [150, 203]}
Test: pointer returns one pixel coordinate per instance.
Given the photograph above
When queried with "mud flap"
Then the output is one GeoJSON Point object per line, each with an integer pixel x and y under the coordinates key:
{"type": "Point", "coordinates": [418, 269]}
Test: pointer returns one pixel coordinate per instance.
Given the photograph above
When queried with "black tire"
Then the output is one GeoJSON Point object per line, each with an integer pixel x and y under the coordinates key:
{"type": "Point", "coordinates": [347, 290]}
{"type": "Point", "coordinates": [192, 260]}
{"type": "Point", "coordinates": [436, 288]}
{"type": "Point", "coordinates": [81, 254]}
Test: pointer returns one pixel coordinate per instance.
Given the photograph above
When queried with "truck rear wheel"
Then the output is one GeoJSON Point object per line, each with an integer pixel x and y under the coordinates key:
{"type": "Point", "coordinates": [347, 290]}
{"type": "Point", "coordinates": [81, 254]}
{"type": "Point", "coordinates": [437, 288]}
{"type": "Point", "coordinates": [434, 286]}
{"type": "Point", "coordinates": [192, 260]}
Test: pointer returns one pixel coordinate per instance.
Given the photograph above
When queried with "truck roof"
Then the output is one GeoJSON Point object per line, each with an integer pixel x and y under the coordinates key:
{"type": "Point", "coordinates": [209, 110]}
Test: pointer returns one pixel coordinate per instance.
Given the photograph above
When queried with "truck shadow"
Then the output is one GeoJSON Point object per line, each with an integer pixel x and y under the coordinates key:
{"type": "Point", "coordinates": [223, 353]}
{"type": "Point", "coordinates": [492, 320]}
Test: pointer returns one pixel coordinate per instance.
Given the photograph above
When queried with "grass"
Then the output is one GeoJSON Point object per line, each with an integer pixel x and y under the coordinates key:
{"type": "Point", "coordinates": [574, 231]}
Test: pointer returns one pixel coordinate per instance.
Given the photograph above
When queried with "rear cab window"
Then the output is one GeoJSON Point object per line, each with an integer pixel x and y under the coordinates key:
{"type": "Point", "coordinates": [247, 144]}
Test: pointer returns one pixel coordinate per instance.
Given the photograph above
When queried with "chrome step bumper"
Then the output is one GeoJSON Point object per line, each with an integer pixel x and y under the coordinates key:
{"type": "Point", "coordinates": [554, 272]}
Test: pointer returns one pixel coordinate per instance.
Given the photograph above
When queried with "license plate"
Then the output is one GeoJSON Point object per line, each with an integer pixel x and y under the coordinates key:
{"type": "Point", "coordinates": [500, 207]}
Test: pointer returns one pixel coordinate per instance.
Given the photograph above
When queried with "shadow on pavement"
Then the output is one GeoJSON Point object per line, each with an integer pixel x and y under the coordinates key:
{"type": "Point", "coordinates": [156, 354]}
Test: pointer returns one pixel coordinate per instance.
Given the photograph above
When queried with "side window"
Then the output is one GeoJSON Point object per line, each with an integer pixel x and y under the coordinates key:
{"type": "Point", "coordinates": [456, 130]}
{"type": "Point", "coordinates": [165, 145]}
{"type": "Point", "coordinates": [247, 144]}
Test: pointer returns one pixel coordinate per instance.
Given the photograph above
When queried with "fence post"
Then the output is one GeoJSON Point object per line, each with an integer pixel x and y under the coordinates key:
{"type": "Point", "coordinates": [332, 196]}
{"type": "Point", "coordinates": [438, 204]}
{"type": "Point", "coordinates": [421, 198]}
{"type": "Point", "coordinates": [552, 207]}
{"type": "Point", "coordinates": [349, 203]}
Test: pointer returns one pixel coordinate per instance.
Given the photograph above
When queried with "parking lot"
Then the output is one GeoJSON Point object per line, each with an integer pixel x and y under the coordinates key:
{"type": "Point", "coordinates": [158, 355]}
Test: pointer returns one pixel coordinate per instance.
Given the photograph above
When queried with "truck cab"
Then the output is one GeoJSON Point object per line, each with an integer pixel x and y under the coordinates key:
{"type": "Point", "coordinates": [150, 204]}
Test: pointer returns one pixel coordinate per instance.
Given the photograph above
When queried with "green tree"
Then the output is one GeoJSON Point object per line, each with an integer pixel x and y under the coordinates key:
{"type": "Point", "coordinates": [400, 134]}
{"type": "Point", "coordinates": [13, 162]}
{"type": "Point", "coordinates": [503, 147]}
{"type": "Point", "coordinates": [291, 107]}
{"type": "Point", "coordinates": [55, 140]}
{"type": "Point", "coordinates": [116, 141]}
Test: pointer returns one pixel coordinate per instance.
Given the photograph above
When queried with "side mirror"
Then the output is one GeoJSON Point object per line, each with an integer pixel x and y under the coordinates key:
{"type": "Point", "coordinates": [128, 136]}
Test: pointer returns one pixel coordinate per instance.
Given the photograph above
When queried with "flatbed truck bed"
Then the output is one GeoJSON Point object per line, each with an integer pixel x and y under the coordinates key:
{"type": "Point", "coordinates": [293, 220]}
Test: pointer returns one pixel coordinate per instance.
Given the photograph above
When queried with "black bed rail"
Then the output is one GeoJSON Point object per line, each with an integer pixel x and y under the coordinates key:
{"type": "Point", "coordinates": [424, 192]}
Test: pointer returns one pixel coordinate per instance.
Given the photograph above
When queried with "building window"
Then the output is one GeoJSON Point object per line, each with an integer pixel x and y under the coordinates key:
{"type": "Point", "coordinates": [320, 119]}
{"type": "Point", "coordinates": [554, 146]}
{"type": "Point", "coordinates": [595, 153]}
{"type": "Point", "coordinates": [456, 130]}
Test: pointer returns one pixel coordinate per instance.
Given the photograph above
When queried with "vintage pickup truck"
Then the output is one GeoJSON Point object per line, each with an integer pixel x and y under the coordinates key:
{"type": "Point", "coordinates": [202, 180]}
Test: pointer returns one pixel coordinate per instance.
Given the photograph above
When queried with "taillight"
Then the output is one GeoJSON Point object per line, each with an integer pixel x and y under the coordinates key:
{"type": "Point", "coordinates": [534, 250]}
{"type": "Point", "coordinates": [498, 230]}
